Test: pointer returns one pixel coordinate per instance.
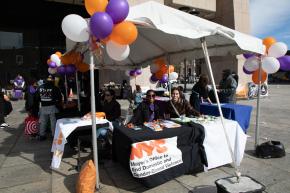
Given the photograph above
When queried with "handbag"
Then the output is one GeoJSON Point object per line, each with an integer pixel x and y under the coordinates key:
{"type": "Point", "coordinates": [270, 149]}
{"type": "Point", "coordinates": [31, 126]}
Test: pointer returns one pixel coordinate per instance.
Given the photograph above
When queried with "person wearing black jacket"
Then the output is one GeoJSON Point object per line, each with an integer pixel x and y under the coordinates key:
{"type": "Point", "coordinates": [2, 120]}
{"type": "Point", "coordinates": [227, 87]}
{"type": "Point", "coordinates": [147, 111]}
{"type": "Point", "coordinates": [110, 106]}
{"type": "Point", "coordinates": [50, 98]}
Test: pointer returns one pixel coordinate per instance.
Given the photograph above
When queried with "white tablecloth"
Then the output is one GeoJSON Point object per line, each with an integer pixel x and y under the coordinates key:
{"type": "Point", "coordinates": [64, 127]}
{"type": "Point", "coordinates": [215, 144]}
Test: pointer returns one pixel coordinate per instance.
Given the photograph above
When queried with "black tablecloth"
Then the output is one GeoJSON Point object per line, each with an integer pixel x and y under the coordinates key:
{"type": "Point", "coordinates": [189, 141]}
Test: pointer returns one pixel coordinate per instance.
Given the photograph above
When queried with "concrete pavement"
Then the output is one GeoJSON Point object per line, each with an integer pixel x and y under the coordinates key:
{"type": "Point", "coordinates": [24, 164]}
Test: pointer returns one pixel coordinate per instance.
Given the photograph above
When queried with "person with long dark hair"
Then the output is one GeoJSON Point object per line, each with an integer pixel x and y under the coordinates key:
{"type": "Point", "coordinates": [178, 106]}
{"type": "Point", "coordinates": [201, 87]}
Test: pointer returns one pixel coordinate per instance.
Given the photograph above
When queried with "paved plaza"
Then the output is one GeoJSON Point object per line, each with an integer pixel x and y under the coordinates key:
{"type": "Point", "coordinates": [25, 164]}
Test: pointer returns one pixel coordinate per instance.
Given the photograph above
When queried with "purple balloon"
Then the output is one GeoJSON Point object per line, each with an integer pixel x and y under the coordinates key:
{"type": "Point", "coordinates": [284, 63]}
{"type": "Point", "coordinates": [118, 10]}
{"type": "Point", "coordinates": [101, 25]}
{"type": "Point", "coordinates": [132, 73]}
{"type": "Point", "coordinates": [248, 55]}
{"type": "Point", "coordinates": [246, 71]}
{"type": "Point", "coordinates": [153, 79]}
{"type": "Point", "coordinates": [52, 65]}
{"type": "Point", "coordinates": [164, 78]}
{"type": "Point", "coordinates": [70, 69]}
{"type": "Point", "coordinates": [138, 71]}
{"type": "Point", "coordinates": [61, 70]}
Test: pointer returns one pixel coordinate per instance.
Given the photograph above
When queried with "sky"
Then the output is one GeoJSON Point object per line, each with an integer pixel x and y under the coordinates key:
{"type": "Point", "coordinates": [271, 18]}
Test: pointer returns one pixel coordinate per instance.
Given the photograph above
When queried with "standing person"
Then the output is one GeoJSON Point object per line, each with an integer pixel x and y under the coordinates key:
{"type": "Point", "coordinates": [2, 120]}
{"type": "Point", "coordinates": [31, 105]}
{"type": "Point", "coordinates": [50, 98]}
{"type": "Point", "coordinates": [227, 87]}
{"type": "Point", "coordinates": [147, 111]}
{"type": "Point", "coordinates": [178, 106]}
{"type": "Point", "coordinates": [201, 87]}
{"type": "Point", "coordinates": [137, 96]}
{"type": "Point", "coordinates": [126, 90]}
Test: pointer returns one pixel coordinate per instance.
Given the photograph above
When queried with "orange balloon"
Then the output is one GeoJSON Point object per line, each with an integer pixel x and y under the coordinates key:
{"type": "Point", "coordinates": [159, 74]}
{"type": "Point", "coordinates": [171, 68]}
{"type": "Point", "coordinates": [159, 61]}
{"type": "Point", "coordinates": [93, 6]}
{"type": "Point", "coordinates": [48, 61]}
{"type": "Point", "coordinates": [58, 54]}
{"type": "Point", "coordinates": [255, 76]}
{"type": "Point", "coordinates": [124, 33]}
{"type": "Point", "coordinates": [268, 41]}
{"type": "Point", "coordinates": [83, 67]}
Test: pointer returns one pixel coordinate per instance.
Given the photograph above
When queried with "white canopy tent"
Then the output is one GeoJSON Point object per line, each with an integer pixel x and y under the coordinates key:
{"type": "Point", "coordinates": [165, 31]}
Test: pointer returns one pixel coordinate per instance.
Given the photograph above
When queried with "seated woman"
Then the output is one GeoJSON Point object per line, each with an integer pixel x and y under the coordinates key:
{"type": "Point", "coordinates": [180, 105]}
{"type": "Point", "coordinates": [147, 111]}
{"type": "Point", "coordinates": [112, 109]}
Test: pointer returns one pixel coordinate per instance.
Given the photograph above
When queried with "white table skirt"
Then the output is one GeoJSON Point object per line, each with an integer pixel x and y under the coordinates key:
{"type": "Point", "coordinates": [64, 127]}
{"type": "Point", "coordinates": [215, 143]}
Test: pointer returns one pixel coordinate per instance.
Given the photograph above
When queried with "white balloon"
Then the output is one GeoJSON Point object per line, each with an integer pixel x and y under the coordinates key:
{"type": "Point", "coordinates": [58, 63]}
{"type": "Point", "coordinates": [54, 58]}
{"type": "Point", "coordinates": [75, 28]}
{"type": "Point", "coordinates": [52, 70]}
{"type": "Point", "coordinates": [173, 76]}
{"type": "Point", "coordinates": [116, 51]}
{"type": "Point", "coordinates": [251, 64]}
{"type": "Point", "coordinates": [154, 68]}
{"type": "Point", "coordinates": [270, 65]}
{"type": "Point", "coordinates": [277, 50]}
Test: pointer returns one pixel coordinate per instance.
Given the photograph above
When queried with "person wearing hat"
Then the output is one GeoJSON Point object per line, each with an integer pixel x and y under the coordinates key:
{"type": "Point", "coordinates": [50, 97]}
{"type": "Point", "coordinates": [227, 87]}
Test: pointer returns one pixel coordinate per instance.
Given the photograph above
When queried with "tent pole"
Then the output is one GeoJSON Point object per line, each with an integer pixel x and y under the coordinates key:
{"type": "Point", "coordinates": [93, 111]}
{"type": "Point", "coordinates": [184, 75]}
{"type": "Point", "coordinates": [257, 131]}
{"type": "Point", "coordinates": [207, 60]}
{"type": "Point", "coordinates": [78, 91]}
{"type": "Point", "coordinates": [168, 81]}
{"type": "Point", "coordinates": [66, 87]}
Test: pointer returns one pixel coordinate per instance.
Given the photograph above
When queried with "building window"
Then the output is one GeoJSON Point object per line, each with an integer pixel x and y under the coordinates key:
{"type": "Point", "coordinates": [11, 40]}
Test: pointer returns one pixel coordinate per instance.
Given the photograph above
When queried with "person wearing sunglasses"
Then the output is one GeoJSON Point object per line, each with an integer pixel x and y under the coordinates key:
{"type": "Point", "coordinates": [178, 106]}
{"type": "Point", "coordinates": [147, 111]}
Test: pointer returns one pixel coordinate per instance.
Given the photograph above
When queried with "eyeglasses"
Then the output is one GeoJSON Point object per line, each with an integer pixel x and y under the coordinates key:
{"type": "Point", "coordinates": [151, 95]}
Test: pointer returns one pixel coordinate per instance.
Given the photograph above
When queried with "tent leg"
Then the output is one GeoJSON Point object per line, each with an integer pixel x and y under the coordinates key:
{"type": "Point", "coordinates": [66, 87]}
{"type": "Point", "coordinates": [93, 111]}
{"type": "Point", "coordinates": [78, 91]}
{"type": "Point", "coordinates": [257, 131]}
{"type": "Point", "coordinates": [207, 60]}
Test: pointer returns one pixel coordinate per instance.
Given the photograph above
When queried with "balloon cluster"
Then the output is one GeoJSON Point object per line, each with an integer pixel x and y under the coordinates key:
{"type": "Point", "coordinates": [66, 64]}
{"type": "Point", "coordinates": [106, 24]}
{"type": "Point", "coordinates": [53, 62]}
{"type": "Point", "coordinates": [135, 72]}
{"type": "Point", "coordinates": [272, 60]}
{"type": "Point", "coordinates": [160, 71]}
{"type": "Point", "coordinates": [75, 58]}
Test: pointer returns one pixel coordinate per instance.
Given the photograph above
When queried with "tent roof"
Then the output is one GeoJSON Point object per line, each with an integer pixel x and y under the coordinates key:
{"type": "Point", "coordinates": [165, 31]}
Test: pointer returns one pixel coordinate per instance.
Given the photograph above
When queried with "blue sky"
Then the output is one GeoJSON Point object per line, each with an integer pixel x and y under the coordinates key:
{"type": "Point", "coordinates": [271, 18]}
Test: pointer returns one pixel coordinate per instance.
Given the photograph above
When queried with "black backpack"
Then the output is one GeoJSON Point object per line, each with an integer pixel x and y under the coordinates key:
{"type": "Point", "coordinates": [270, 149]}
